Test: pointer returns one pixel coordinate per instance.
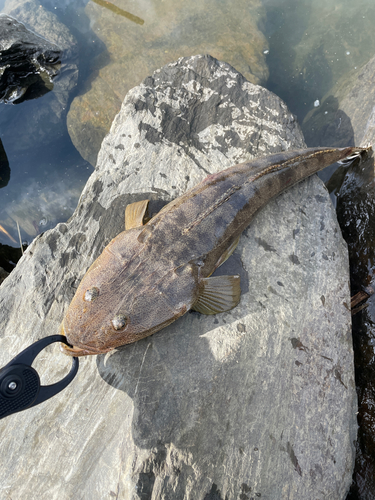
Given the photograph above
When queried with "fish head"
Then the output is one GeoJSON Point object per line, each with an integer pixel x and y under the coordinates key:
{"type": "Point", "coordinates": [122, 299]}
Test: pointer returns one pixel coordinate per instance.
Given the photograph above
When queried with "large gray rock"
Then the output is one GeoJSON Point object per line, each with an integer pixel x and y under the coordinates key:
{"type": "Point", "coordinates": [259, 401]}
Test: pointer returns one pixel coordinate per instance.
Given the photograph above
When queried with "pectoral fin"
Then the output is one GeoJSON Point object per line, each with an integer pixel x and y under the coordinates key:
{"type": "Point", "coordinates": [219, 294]}
{"type": "Point", "coordinates": [134, 214]}
{"type": "Point", "coordinates": [228, 252]}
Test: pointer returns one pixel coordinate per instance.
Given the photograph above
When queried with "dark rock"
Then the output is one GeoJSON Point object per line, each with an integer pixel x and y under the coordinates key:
{"type": "Point", "coordinates": [356, 214]}
{"type": "Point", "coordinates": [4, 166]}
{"type": "Point", "coordinates": [3, 275]}
{"type": "Point", "coordinates": [28, 62]}
{"type": "Point", "coordinates": [9, 256]}
{"type": "Point", "coordinates": [41, 121]}
{"type": "Point", "coordinates": [256, 402]}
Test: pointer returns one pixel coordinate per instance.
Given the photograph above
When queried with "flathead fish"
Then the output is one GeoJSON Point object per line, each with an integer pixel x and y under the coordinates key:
{"type": "Point", "coordinates": [151, 274]}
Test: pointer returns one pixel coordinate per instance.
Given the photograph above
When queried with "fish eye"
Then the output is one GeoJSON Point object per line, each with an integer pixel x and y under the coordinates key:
{"type": "Point", "coordinates": [91, 294]}
{"type": "Point", "coordinates": [119, 321]}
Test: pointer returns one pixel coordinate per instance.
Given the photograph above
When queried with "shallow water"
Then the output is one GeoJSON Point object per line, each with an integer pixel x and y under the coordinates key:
{"type": "Point", "coordinates": [297, 48]}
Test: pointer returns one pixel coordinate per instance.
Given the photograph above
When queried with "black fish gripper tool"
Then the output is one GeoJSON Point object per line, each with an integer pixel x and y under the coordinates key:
{"type": "Point", "coordinates": [20, 387]}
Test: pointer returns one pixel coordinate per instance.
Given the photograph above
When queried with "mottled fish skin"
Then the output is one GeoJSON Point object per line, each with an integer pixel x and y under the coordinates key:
{"type": "Point", "coordinates": [148, 276]}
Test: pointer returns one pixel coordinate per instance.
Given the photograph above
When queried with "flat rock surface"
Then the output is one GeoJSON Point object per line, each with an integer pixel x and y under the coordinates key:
{"type": "Point", "coordinates": [256, 402]}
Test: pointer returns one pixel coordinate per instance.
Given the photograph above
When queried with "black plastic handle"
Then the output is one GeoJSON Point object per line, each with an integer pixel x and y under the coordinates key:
{"type": "Point", "coordinates": [20, 387]}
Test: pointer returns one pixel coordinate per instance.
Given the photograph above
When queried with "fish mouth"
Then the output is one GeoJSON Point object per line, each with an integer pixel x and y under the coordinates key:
{"type": "Point", "coordinates": [80, 351]}
{"type": "Point", "coordinates": [76, 351]}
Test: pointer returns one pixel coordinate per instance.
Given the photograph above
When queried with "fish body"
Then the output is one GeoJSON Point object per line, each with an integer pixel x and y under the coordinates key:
{"type": "Point", "coordinates": [150, 275]}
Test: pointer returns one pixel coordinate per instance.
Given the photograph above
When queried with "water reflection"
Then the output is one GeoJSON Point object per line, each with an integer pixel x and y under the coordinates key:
{"type": "Point", "coordinates": [47, 172]}
{"type": "Point", "coordinates": [44, 190]}
{"type": "Point", "coordinates": [4, 231]}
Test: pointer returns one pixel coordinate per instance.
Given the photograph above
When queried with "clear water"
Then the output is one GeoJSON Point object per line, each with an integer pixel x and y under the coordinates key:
{"type": "Point", "coordinates": [314, 45]}
{"type": "Point", "coordinates": [300, 49]}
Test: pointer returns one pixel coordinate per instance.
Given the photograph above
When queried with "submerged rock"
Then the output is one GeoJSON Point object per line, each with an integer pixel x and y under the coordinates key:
{"type": "Point", "coordinates": [256, 402]}
{"type": "Point", "coordinates": [135, 49]}
{"type": "Point", "coordinates": [346, 115]}
{"type": "Point", "coordinates": [28, 62]}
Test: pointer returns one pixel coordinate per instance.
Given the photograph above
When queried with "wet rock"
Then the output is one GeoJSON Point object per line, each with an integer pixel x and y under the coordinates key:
{"type": "Point", "coordinates": [28, 63]}
{"type": "Point", "coordinates": [356, 213]}
{"type": "Point", "coordinates": [346, 115]}
{"type": "Point", "coordinates": [41, 121]}
{"type": "Point", "coordinates": [256, 402]}
{"type": "Point", "coordinates": [135, 49]}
